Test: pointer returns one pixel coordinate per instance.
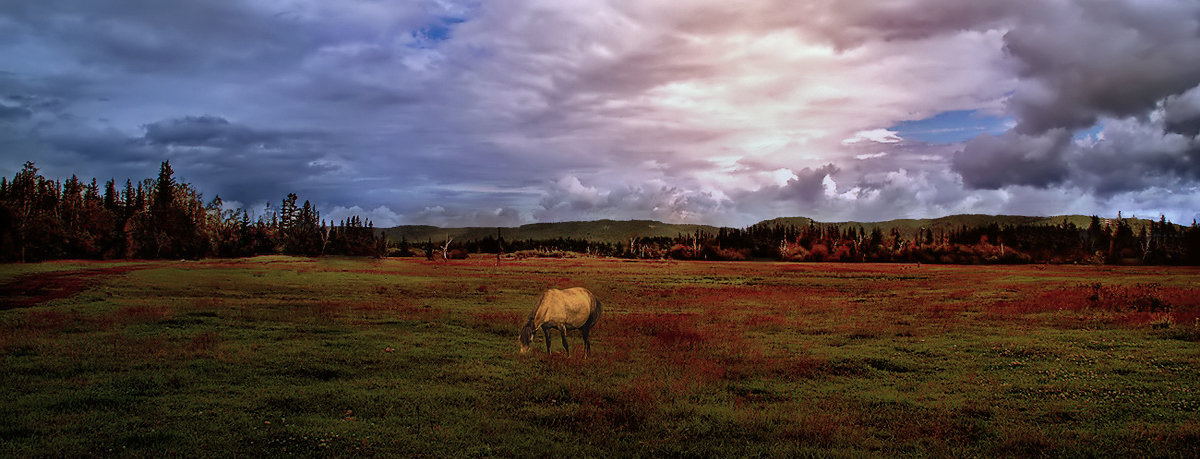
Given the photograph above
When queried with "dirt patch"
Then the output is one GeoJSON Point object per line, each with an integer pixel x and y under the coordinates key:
{"type": "Point", "coordinates": [32, 289]}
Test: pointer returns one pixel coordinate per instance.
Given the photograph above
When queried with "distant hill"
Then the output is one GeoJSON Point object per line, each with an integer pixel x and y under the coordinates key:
{"type": "Point", "coordinates": [622, 230]}
{"type": "Point", "coordinates": [953, 222]}
{"type": "Point", "coordinates": [598, 231]}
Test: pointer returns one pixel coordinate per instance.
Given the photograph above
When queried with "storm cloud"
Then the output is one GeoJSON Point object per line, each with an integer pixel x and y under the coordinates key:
{"type": "Point", "coordinates": [509, 112]}
{"type": "Point", "coordinates": [1126, 70]}
{"type": "Point", "coordinates": [208, 131]}
{"type": "Point", "coordinates": [1013, 159]}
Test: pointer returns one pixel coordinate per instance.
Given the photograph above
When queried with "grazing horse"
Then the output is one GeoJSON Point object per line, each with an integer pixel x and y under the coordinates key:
{"type": "Point", "coordinates": [562, 310]}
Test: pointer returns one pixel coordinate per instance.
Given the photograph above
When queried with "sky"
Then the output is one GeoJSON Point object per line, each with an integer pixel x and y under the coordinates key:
{"type": "Point", "coordinates": [501, 112]}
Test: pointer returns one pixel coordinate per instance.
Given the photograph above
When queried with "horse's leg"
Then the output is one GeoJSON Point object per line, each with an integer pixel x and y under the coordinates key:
{"type": "Point", "coordinates": [562, 330]}
{"type": "Point", "coordinates": [546, 331]}
{"type": "Point", "coordinates": [587, 344]}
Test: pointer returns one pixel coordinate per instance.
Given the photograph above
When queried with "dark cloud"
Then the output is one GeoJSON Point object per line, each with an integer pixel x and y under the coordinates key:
{"type": "Point", "coordinates": [1128, 155]}
{"type": "Point", "coordinates": [1181, 113]}
{"type": "Point", "coordinates": [850, 24]}
{"type": "Point", "coordinates": [1078, 60]}
{"type": "Point", "coordinates": [1112, 64]}
{"type": "Point", "coordinates": [46, 94]}
{"type": "Point", "coordinates": [13, 113]}
{"type": "Point", "coordinates": [208, 131]}
{"type": "Point", "coordinates": [1083, 60]}
{"type": "Point", "coordinates": [239, 162]}
{"type": "Point", "coordinates": [150, 36]}
{"type": "Point", "coordinates": [805, 194]}
{"type": "Point", "coordinates": [809, 183]}
{"type": "Point", "coordinates": [75, 143]}
{"type": "Point", "coordinates": [991, 162]}
{"type": "Point", "coordinates": [1134, 155]}
{"type": "Point", "coordinates": [807, 186]}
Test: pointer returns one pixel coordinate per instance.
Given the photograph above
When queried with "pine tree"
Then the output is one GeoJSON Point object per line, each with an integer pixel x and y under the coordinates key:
{"type": "Point", "coordinates": [110, 195]}
{"type": "Point", "coordinates": [24, 190]}
{"type": "Point", "coordinates": [287, 212]}
{"type": "Point", "coordinates": [91, 194]}
{"type": "Point", "coordinates": [140, 201]}
{"type": "Point", "coordinates": [164, 187]}
{"type": "Point", "coordinates": [130, 198]}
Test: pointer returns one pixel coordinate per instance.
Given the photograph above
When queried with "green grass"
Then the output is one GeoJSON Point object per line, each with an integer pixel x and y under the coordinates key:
{"type": "Point", "coordinates": [277, 355]}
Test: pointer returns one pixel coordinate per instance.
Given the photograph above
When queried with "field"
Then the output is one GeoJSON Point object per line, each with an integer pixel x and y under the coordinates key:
{"type": "Point", "coordinates": [277, 355]}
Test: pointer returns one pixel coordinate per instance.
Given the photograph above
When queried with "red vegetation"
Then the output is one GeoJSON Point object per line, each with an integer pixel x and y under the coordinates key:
{"type": "Point", "coordinates": [706, 252]}
{"type": "Point", "coordinates": [1137, 304]}
{"type": "Point", "coordinates": [37, 288]}
{"type": "Point", "coordinates": [672, 330]}
{"type": "Point", "coordinates": [696, 351]}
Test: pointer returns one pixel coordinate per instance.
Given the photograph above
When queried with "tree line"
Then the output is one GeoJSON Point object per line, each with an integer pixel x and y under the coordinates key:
{"type": "Point", "coordinates": [1121, 241]}
{"type": "Point", "coordinates": [43, 219]}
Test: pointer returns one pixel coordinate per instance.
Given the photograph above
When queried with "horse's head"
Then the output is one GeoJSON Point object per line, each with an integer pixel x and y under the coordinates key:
{"type": "Point", "coordinates": [526, 337]}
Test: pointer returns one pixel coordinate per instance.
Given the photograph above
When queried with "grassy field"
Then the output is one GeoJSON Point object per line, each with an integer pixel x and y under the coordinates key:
{"type": "Point", "coordinates": [277, 355]}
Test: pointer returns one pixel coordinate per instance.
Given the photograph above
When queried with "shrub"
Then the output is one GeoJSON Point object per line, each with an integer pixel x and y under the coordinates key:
{"type": "Point", "coordinates": [819, 252]}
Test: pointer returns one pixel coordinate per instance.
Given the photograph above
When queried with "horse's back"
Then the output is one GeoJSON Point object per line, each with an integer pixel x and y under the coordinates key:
{"type": "Point", "coordinates": [589, 302]}
{"type": "Point", "coordinates": [574, 307]}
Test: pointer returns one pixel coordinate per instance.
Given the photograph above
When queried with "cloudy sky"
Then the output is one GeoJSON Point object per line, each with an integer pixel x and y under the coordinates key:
{"type": "Point", "coordinates": [500, 112]}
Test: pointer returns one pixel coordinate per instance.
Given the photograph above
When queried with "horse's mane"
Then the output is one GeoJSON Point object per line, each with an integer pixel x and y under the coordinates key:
{"type": "Point", "coordinates": [535, 309]}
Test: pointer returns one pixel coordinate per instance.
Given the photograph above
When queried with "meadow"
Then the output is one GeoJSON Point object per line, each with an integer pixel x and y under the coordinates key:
{"type": "Point", "coordinates": [350, 356]}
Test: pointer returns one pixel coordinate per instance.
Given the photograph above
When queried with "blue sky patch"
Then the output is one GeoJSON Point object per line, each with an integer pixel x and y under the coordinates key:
{"type": "Point", "coordinates": [1089, 133]}
{"type": "Point", "coordinates": [435, 32]}
{"type": "Point", "coordinates": [952, 127]}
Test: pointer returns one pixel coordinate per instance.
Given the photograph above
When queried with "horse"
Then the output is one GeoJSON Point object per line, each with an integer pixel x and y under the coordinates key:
{"type": "Point", "coordinates": [562, 310]}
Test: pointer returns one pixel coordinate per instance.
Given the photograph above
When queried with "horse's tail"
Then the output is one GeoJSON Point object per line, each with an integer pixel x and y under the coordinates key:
{"type": "Point", "coordinates": [595, 315]}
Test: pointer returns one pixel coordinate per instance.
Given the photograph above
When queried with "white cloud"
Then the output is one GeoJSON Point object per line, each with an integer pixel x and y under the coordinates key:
{"type": "Point", "coordinates": [381, 217]}
{"type": "Point", "coordinates": [873, 135]}
{"type": "Point", "coordinates": [866, 156]}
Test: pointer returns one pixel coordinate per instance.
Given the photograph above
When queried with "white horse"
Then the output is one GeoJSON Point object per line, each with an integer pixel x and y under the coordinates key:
{"type": "Point", "coordinates": [570, 309]}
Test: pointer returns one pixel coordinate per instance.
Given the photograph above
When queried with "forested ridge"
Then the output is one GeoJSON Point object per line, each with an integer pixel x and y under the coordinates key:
{"type": "Point", "coordinates": [43, 219]}
{"type": "Point", "coordinates": [1101, 241]}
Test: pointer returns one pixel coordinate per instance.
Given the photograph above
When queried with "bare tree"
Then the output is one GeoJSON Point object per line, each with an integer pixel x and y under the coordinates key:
{"type": "Point", "coordinates": [446, 248]}
{"type": "Point", "coordinates": [325, 232]}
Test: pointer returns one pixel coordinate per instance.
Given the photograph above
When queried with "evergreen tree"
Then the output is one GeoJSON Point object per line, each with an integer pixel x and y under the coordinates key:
{"type": "Point", "coordinates": [1098, 237]}
{"type": "Point", "coordinates": [110, 195]}
{"type": "Point", "coordinates": [164, 187]}
{"type": "Point", "coordinates": [130, 198]}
